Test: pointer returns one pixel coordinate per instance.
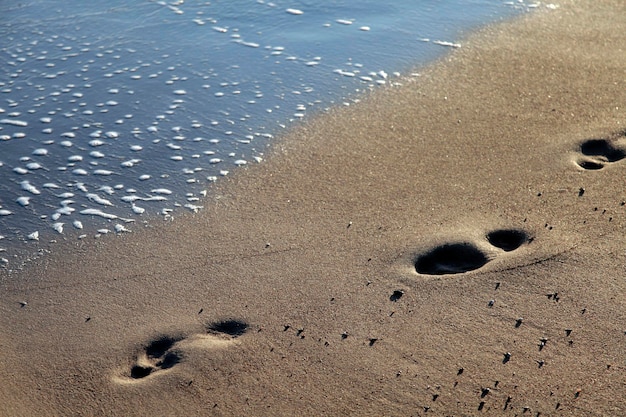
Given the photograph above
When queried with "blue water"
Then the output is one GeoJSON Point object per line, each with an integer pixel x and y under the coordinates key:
{"type": "Point", "coordinates": [113, 113]}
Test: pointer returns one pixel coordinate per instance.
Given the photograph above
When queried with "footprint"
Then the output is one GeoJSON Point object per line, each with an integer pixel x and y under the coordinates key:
{"type": "Point", "coordinates": [159, 354]}
{"type": "Point", "coordinates": [597, 153]}
{"type": "Point", "coordinates": [450, 258]}
{"type": "Point", "coordinates": [459, 257]}
{"type": "Point", "coordinates": [165, 352]}
{"type": "Point", "coordinates": [232, 328]}
{"type": "Point", "coordinates": [507, 239]}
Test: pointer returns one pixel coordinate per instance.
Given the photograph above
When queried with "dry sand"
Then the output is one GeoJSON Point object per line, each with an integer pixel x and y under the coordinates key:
{"type": "Point", "coordinates": [295, 291]}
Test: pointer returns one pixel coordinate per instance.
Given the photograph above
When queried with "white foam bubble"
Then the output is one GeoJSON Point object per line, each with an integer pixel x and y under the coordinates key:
{"type": "Point", "coordinates": [155, 198]}
{"type": "Point", "coordinates": [20, 123]}
{"type": "Point", "coordinates": [345, 73]}
{"type": "Point", "coordinates": [249, 44]}
{"type": "Point", "coordinates": [130, 163]}
{"type": "Point", "coordinates": [108, 189]}
{"type": "Point", "coordinates": [65, 207]}
{"type": "Point", "coordinates": [34, 166]}
{"type": "Point", "coordinates": [193, 207]}
{"type": "Point", "coordinates": [103, 172]}
{"type": "Point", "coordinates": [81, 187]}
{"type": "Point", "coordinates": [98, 200]}
{"type": "Point", "coordinates": [120, 228]}
{"type": "Point", "coordinates": [131, 198]}
{"type": "Point", "coordinates": [161, 191]}
{"type": "Point", "coordinates": [100, 213]}
{"type": "Point", "coordinates": [446, 43]}
{"type": "Point", "coordinates": [27, 186]}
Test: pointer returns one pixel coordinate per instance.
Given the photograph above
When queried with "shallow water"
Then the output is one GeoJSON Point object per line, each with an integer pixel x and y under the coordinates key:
{"type": "Point", "coordinates": [113, 113]}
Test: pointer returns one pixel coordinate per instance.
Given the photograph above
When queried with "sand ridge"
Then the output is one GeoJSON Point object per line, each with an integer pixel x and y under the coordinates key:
{"type": "Point", "coordinates": [453, 246]}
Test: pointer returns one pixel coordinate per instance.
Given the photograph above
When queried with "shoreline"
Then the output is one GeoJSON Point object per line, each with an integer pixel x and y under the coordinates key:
{"type": "Point", "coordinates": [23, 228]}
{"type": "Point", "coordinates": [295, 289]}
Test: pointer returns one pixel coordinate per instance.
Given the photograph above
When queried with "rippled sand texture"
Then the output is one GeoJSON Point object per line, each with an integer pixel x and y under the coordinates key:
{"type": "Point", "coordinates": [452, 246]}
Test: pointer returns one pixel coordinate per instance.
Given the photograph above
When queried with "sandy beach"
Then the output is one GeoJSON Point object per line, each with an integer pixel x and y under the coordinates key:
{"type": "Point", "coordinates": [454, 245]}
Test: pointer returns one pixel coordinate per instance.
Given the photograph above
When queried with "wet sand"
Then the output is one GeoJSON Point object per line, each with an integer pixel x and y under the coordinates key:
{"type": "Point", "coordinates": [497, 173]}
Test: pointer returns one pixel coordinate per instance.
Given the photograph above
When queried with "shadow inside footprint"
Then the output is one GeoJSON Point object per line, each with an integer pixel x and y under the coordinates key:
{"type": "Point", "coordinates": [602, 148]}
{"type": "Point", "coordinates": [507, 240]}
{"type": "Point", "coordinates": [157, 355]}
{"type": "Point", "coordinates": [450, 258]}
{"type": "Point", "coordinates": [598, 152]}
{"type": "Point", "coordinates": [232, 328]}
{"type": "Point", "coordinates": [160, 346]}
{"type": "Point", "coordinates": [590, 165]}
{"type": "Point", "coordinates": [138, 371]}
{"type": "Point", "coordinates": [169, 360]}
